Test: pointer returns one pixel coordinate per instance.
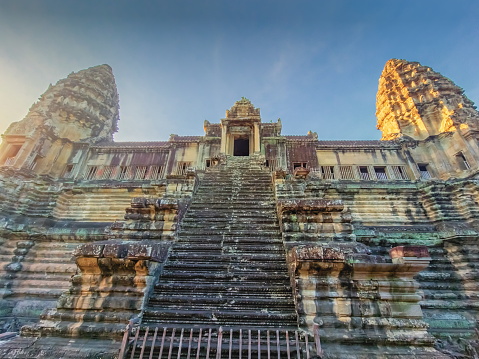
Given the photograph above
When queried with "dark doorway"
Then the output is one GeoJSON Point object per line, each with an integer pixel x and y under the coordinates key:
{"type": "Point", "coordinates": [241, 147]}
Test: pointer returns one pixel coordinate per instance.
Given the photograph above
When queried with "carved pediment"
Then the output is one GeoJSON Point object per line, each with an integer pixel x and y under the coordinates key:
{"type": "Point", "coordinates": [242, 109]}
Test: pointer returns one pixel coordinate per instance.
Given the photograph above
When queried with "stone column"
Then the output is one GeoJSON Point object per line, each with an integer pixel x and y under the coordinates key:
{"type": "Point", "coordinates": [223, 138]}
{"type": "Point", "coordinates": [256, 136]}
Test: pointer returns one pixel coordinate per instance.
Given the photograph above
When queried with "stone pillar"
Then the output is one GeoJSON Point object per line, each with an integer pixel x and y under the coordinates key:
{"type": "Point", "coordinates": [256, 136]}
{"type": "Point", "coordinates": [223, 138]}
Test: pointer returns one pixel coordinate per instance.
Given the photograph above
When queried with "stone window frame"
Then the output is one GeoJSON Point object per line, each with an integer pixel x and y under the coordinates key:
{"type": "Point", "coordinates": [140, 173]}
{"type": "Point", "coordinates": [361, 172]}
{"type": "Point", "coordinates": [347, 172]}
{"type": "Point", "coordinates": [462, 161]}
{"type": "Point", "coordinates": [424, 172]}
{"type": "Point", "coordinates": [299, 164]}
{"type": "Point", "coordinates": [156, 172]}
{"type": "Point", "coordinates": [91, 173]}
{"type": "Point", "coordinates": [182, 167]}
{"type": "Point", "coordinates": [11, 152]}
{"type": "Point", "coordinates": [364, 173]}
{"type": "Point", "coordinates": [109, 172]}
{"type": "Point", "coordinates": [328, 172]}
{"type": "Point", "coordinates": [400, 172]}
{"type": "Point", "coordinates": [68, 171]}
{"type": "Point", "coordinates": [381, 173]}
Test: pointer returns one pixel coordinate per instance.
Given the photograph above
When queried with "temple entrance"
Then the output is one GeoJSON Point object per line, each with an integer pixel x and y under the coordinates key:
{"type": "Point", "coordinates": [241, 147]}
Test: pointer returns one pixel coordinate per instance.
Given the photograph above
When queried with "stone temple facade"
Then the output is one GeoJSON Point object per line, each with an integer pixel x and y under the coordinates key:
{"type": "Point", "coordinates": [292, 245]}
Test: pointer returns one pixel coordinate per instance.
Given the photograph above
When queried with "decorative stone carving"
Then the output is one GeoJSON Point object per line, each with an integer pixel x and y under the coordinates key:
{"type": "Point", "coordinates": [61, 185]}
{"type": "Point", "coordinates": [242, 109]}
{"type": "Point", "coordinates": [410, 255]}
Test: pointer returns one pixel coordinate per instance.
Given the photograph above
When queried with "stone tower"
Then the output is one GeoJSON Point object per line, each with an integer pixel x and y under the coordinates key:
{"type": "Point", "coordinates": [81, 108]}
{"type": "Point", "coordinates": [415, 101]}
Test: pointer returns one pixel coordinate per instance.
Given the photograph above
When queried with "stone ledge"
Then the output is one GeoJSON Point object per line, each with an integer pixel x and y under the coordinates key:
{"type": "Point", "coordinates": [135, 250]}
{"type": "Point", "coordinates": [335, 252]}
{"type": "Point", "coordinates": [310, 205]}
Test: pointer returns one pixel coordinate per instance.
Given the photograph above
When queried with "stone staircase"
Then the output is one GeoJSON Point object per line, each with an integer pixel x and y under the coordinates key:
{"type": "Point", "coordinates": [228, 267]}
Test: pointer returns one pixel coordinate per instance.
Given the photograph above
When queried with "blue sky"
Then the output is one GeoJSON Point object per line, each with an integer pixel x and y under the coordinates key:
{"type": "Point", "coordinates": [314, 64]}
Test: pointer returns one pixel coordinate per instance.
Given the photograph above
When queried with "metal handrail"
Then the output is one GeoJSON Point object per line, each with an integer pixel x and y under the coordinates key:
{"type": "Point", "coordinates": [210, 343]}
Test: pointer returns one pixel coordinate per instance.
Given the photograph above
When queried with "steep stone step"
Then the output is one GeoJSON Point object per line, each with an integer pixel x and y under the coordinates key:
{"type": "Point", "coordinates": [236, 288]}
{"type": "Point", "coordinates": [229, 241]}
{"type": "Point", "coordinates": [230, 318]}
{"type": "Point", "coordinates": [231, 258]}
{"type": "Point", "coordinates": [232, 208]}
{"type": "Point", "coordinates": [243, 249]}
{"type": "Point", "coordinates": [224, 265]}
{"type": "Point", "coordinates": [228, 267]}
{"type": "Point", "coordinates": [276, 301]}
{"type": "Point", "coordinates": [239, 216]}
{"type": "Point", "coordinates": [239, 225]}
{"type": "Point", "coordinates": [448, 307]}
{"type": "Point", "coordinates": [220, 277]}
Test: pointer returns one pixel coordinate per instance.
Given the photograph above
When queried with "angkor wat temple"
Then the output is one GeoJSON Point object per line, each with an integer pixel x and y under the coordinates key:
{"type": "Point", "coordinates": [243, 242]}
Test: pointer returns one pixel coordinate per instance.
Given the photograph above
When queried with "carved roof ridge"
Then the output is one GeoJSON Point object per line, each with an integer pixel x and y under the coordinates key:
{"type": "Point", "coordinates": [132, 144]}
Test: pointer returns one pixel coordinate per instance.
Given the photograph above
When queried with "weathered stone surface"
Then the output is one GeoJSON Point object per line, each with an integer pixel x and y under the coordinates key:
{"type": "Point", "coordinates": [410, 254]}
{"type": "Point", "coordinates": [309, 220]}
{"type": "Point", "coordinates": [301, 172]}
{"type": "Point", "coordinates": [145, 249]}
{"type": "Point", "coordinates": [84, 106]}
{"type": "Point", "coordinates": [357, 297]}
{"type": "Point", "coordinates": [337, 208]}
{"type": "Point", "coordinates": [114, 280]}
{"type": "Point", "coordinates": [228, 267]}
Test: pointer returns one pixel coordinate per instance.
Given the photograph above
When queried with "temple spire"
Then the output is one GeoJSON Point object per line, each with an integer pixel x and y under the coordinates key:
{"type": "Point", "coordinates": [415, 101]}
{"type": "Point", "coordinates": [82, 107]}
